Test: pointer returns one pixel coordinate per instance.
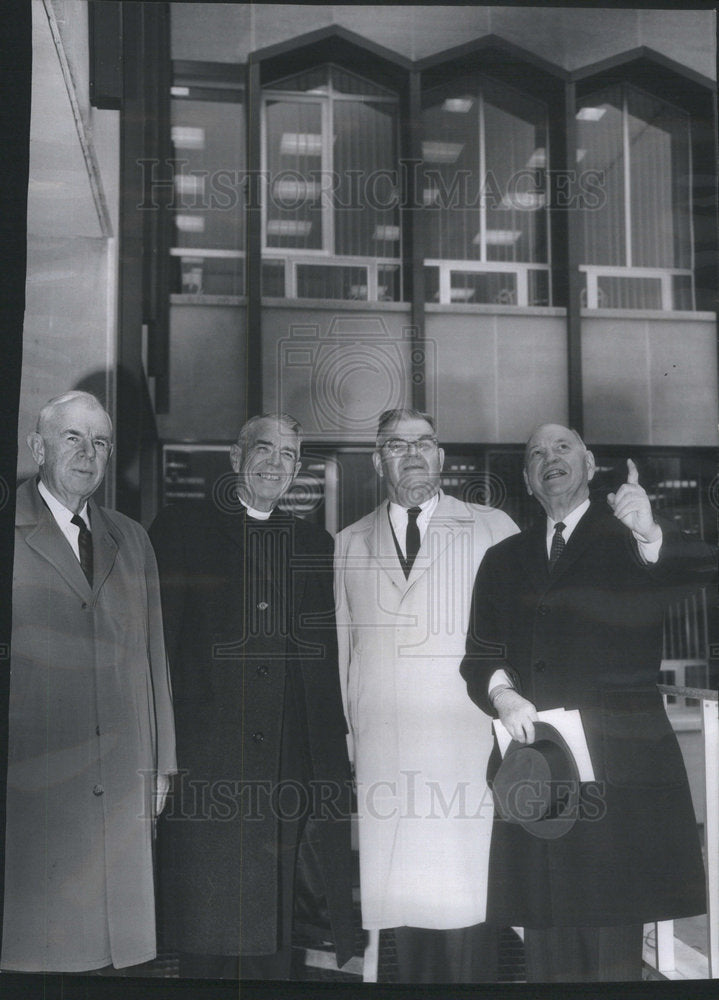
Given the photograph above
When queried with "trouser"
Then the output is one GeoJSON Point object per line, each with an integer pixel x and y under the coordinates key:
{"type": "Point", "coordinates": [458, 955]}
{"type": "Point", "coordinates": [583, 954]}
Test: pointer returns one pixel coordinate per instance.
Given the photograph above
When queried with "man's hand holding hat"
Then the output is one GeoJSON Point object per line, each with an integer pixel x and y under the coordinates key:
{"type": "Point", "coordinates": [516, 714]}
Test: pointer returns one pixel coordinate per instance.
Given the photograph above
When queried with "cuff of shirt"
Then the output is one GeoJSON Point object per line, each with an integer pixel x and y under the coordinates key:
{"type": "Point", "coordinates": [649, 551]}
{"type": "Point", "coordinates": [500, 678]}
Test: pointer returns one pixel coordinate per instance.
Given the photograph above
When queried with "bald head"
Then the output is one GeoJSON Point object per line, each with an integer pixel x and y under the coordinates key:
{"type": "Point", "coordinates": [557, 469]}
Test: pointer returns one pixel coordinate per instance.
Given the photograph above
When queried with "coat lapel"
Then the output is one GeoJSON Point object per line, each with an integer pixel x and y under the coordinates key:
{"type": "Point", "coordinates": [581, 538]}
{"type": "Point", "coordinates": [46, 539]}
{"type": "Point", "coordinates": [104, 546]}
{"type": "Point", "coordinates": [448, 516]}
{"type": "Point", "coordinates": [535, 555]}
{"type": "Point", "coordinates": [380, 544]}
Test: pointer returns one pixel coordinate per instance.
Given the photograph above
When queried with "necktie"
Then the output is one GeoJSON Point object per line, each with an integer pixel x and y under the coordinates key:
{"type": "Point", "coordinates": [558, 544]}
{"type": "Point", "coordinates": [411, 545]}
{"type": "Point", "coordinates": [84, 544]}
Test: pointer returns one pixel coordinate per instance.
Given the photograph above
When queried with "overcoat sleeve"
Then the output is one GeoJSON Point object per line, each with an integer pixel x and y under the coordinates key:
{"type": "Point", "coordinates": [343, 633]}
{"type": "Point", "coordinates": [685, 563]}
{"type": "Point", "coordinates": [159, 666]}
{"type": "Point", "coordinates": [485, 649]}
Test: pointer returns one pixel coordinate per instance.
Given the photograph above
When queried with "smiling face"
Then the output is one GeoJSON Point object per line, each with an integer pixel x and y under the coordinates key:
{"type": "Point", "coordinates": [557, 469]}
{"type": "Point", "coordinates": [413, 477]}
{"type": "Point", "coordinates": [268, 464]}
{"type": "Point", "coordinates": [72, 448]}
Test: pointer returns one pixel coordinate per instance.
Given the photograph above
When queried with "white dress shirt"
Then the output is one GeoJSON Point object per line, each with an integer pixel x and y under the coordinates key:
{"type": "Point", "coordinates": [398, 518]}
{"type": "Point", "coordinates": [63, 517]}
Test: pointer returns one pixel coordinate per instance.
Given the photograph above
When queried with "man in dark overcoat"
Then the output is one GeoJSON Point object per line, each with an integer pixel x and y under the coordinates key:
{"type": "Point", "coordinates": [261, 738]}
{"type": "Point", "coordinates": [575, 622]}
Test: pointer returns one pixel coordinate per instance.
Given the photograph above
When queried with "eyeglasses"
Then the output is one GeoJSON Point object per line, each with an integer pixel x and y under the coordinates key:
{"type": "Point", "coordinates": [398, 446]}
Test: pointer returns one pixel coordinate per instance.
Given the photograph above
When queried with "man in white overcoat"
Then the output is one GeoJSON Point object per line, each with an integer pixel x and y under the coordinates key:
{"type": "Point", "coordinates": [404, 577]}
{"type": "Point", "coordinates": [91, 731]}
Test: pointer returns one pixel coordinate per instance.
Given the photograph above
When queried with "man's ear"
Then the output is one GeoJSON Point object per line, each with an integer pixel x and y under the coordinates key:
{"type": "Point", "coordinates": [591, 465]}
{"type": "Point", "coordinates": [298, 466]}
{"type": "Point", "coordinates": [377, 462]}
{"type": "Point", "coordinates": [440, 451]}
{"type": "Point", "coordinates": [37, 447]}
{"type": "Point", "coordinates": [526, 482]}
{"type": "Point", "coordinates": [236, 457]}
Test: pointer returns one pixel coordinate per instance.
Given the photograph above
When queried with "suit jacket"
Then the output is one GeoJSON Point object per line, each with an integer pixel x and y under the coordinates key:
{"type": "Point", "coordinates": [589, 636]}
{"type": "Point", "coordinates": [233, 648]}
{"type": "Point", "coordinates": [420, 747]}
{"type": "Point", "coordinates": [90, 723]}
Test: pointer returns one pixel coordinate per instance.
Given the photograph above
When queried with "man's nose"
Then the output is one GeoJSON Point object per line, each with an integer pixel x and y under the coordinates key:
{"type": "Point", "coordinates": [275, 458]}
{"type": "Point", "coordinates": [88, 447]}
{"type": "Point", "coordinates": [413, 445]}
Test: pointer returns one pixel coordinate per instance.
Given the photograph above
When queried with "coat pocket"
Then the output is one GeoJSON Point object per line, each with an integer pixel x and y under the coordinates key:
{"type": "Point", "coordinates": [639, 746]}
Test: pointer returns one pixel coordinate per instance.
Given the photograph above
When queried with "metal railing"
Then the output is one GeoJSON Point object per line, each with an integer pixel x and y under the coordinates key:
{"type": "Point", "coordinates": [664, 947]}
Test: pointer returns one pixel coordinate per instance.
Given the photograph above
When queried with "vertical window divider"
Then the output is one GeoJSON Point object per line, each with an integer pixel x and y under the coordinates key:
{"type": "Point", "coordinates": [627, 180]}
{"type": "Point", "coordinates": [482, 179]}
{"type": "Point", "coordinates": [690, 207]}
{"type": "Point", "coordinates": [327, 166]}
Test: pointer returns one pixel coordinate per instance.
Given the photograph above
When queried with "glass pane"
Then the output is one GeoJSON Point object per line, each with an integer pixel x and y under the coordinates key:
{"type": "Point", "coordinates": [273, 278]}
{"type": "Point", "coordinates": [538, 288]}
{"type": "Point", "coordinates": [318, 281]}
{"type": "Point", "coordinates": [294, 165]}
{"type": "Point", "coordinates": [491, 287]}
{"type": "Point", "coordinates": [209, 148]}
{"type": "Point", "coordinates": [629, 293]}
{"type": "Point", "coordinates": [516, 165]}
{"type": "Point", "coordinates": [366, 198]}
{"type": "Point", "coordinates": [450, 177]}
{"type": "Point", "coordinates": [683, 292]}
{"type": "Point", "coordinates": [211, 276]}
{"type": "Point", "coordinates": [388, 283]}
{"type": "Point", "coordinates": [431, 284]}
{"type": "Point", "coordinates": [600, 149]}
{"type": "Point", "coordinates": [660, 182]}
{"type": "Point", "coordinates": [460, 121]}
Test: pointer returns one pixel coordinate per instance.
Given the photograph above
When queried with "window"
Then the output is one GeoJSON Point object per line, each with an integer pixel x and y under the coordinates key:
{"type": "Point", "coordinates": [208, 138]}
{"type": "Point", "coordinates": [331, 205]}
{"type": "Point", "coordinates": [638, 242]}
{"type": "Point", "coordinates": [486, 229]}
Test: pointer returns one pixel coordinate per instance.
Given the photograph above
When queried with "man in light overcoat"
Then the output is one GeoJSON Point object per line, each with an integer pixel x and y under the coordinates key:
{"type": "Point", "coordinates": [403, 580]}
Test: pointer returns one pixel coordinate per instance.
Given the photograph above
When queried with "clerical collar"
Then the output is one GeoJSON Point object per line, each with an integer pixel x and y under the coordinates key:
{"type": "Point", "coordinates": [259, 515]}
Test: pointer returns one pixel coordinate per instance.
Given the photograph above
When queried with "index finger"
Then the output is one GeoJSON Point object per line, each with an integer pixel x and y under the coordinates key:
{"type": "Point", "coordinates": [632, 473]}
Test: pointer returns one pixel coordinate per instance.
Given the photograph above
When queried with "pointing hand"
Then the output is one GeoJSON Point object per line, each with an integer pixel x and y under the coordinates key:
{"type": "Point", "coordinates": [631, 505]}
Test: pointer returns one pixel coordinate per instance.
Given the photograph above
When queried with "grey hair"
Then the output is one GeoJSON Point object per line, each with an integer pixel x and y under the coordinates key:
{"type": "Point", "coordinates": [247, 430]}
{"type": "Point", "coordinates": [67, 397]}
{"type": "Point", "coordinates": [390, 417]}
{"type": "Point", "coordinates": [571, 430]}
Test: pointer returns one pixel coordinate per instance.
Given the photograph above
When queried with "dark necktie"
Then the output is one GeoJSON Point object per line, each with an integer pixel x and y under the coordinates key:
{"type": "Point", "coordinates": [84, 544]}
{"type": "Point", "coordinates": [558, 544]}
{"type": "Point", "coordinates": [411, 544]}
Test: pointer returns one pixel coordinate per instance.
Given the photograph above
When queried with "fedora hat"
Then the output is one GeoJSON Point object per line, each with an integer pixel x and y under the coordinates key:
{"type": "Point", "coordinates": [537, 784]}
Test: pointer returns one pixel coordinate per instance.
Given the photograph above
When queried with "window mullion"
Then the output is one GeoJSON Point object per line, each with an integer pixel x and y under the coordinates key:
{"type": "Point", "coordinates": [627, 181]}
{"type": "Point", "coordinates": [482, 181]}
{"type": "Point", "coordinates": [328, 219]}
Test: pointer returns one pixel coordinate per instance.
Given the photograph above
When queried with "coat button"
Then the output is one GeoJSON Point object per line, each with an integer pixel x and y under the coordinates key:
{"type": "Point", "coordinates": [98, 790]}
{"type": "Point", "coordinates": [97, 730]}
{"type": "Point", "coordinates": [262, 671]}
{"type": "Point", "coordinates": [540, 665]}
{"type": "Point", "coordinates": [263, 606]}
{"type": "Point", "coordinates": [543, 610]}
{"type": "Point", "coordinates": [84, 606]}
{"type": "Point", "coordinates": [258, 737]}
